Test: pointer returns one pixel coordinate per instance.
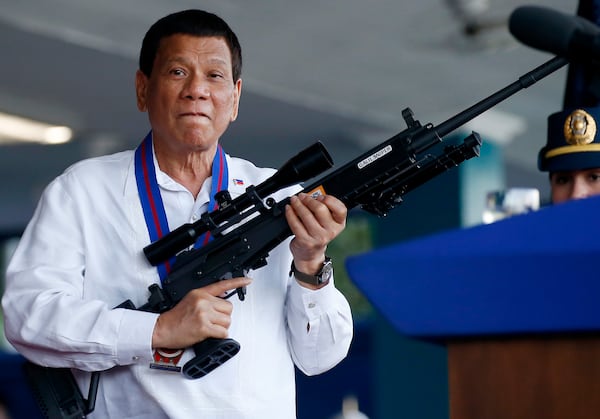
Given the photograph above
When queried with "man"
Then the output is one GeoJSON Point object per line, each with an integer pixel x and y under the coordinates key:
{"type": "Point", "coordinates": [81, 255]}
{"type": "Point", "coordinates": [572, 154]}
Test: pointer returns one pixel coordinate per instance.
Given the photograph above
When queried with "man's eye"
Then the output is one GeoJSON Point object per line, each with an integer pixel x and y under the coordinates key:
{"type": "Point", "coordinates": [177, 72]}
{"type": "Point", "coordinates": [561, 180]}
{"type": "Point", "coordinates": [595, 177]}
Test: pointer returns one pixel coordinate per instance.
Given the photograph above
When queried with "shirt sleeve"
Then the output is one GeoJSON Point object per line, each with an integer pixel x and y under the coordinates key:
{"type": "Point", "coordinates": [321, 326]}
{"type": "Point", "coordinates": [47, 315]}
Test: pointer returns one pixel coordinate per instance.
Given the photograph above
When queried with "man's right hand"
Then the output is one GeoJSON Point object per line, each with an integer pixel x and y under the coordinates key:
{"type": "Point", "coordinates": [201, 314]}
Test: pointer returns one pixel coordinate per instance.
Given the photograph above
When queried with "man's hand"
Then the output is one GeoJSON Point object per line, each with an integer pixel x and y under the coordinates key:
{"type": "Point", "coordinates": [201, 314]}
{"type": "Point", "coordinates": [315, 222]}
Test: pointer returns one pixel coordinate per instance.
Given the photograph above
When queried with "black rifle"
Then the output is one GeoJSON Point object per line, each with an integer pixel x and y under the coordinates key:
{"type": "Point", "coordinates": [247, 228]}
{"type": "Point", "coordinates": [376, 181]}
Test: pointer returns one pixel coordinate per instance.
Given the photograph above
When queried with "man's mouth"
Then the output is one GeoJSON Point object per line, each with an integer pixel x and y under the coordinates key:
{"type": "Point", "coordinates": [194, 115]}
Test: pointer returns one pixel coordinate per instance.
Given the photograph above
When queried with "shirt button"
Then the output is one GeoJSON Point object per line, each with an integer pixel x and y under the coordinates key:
{"type": "Point", "coordinates": [311, 305]}
{"type": "Point", "coordinates": [135, 358]}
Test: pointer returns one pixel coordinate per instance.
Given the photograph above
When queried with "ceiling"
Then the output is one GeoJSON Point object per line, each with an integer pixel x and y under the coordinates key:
{"type": "Point", "coordinates": [339, 71]}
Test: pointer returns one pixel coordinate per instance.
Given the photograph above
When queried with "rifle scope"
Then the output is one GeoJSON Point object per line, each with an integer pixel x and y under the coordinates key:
{"type": "Point", "coordinates": [308, 163]}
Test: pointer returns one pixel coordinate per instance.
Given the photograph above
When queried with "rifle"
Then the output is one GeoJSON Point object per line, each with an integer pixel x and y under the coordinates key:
{"type": "Point", "coordinates": [375, 181]}
{"type": "Point", "coordinates": [247, 228]}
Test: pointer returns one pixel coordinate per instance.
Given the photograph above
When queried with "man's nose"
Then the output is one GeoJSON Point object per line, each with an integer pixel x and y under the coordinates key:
{"type": "Point", "coordinates": [197, 87]}
{"type": "Point", "coordinates": [580, 189]}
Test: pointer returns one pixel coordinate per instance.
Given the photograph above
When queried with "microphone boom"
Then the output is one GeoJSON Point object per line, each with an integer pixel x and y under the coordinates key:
{"type": "Point", "coordinates": [549, 30]}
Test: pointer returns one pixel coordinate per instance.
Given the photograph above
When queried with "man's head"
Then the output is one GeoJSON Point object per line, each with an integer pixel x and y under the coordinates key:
{"type": "Point", "coordinates": [189, 22]}
{"type": "Point", "coordinates": [573, 141]}
{"type": "Point", "coordinates": [189, 81]}
{"type": "Point", "coordinates": [572, 154]}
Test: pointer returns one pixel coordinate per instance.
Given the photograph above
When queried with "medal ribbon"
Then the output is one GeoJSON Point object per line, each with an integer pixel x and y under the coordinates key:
{"type": "Point", "coordinates": [151, 200]}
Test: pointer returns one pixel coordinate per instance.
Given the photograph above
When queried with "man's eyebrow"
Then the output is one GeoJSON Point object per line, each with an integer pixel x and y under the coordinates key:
{"type": "Point", "coordinates": [176, 60]}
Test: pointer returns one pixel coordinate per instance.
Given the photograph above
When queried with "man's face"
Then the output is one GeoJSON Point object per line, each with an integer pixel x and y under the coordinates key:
{"type": "Point", "coordinates": [575, 184]}
{"type": "Point", "coordinates": [190, 96]}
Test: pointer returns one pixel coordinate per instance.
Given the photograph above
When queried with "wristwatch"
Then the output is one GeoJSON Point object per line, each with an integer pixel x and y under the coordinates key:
{"type": "Point", "coordinates": [322, 277]}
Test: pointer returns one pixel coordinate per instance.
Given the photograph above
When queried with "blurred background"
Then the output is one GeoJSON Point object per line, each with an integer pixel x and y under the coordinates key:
{"type": "Point", "coordinates": [336, 71]}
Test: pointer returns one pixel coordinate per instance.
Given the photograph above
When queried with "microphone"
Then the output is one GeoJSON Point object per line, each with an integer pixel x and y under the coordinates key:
{"type": "Point", "coordinates": [559, 33]}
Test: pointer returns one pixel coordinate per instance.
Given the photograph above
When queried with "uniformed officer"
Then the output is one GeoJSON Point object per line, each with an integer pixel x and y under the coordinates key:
{"type": "Point", "coordinates": [572, 154]}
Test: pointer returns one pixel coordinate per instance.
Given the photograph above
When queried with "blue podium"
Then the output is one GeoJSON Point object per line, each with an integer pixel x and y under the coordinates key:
{"type": "Point", "coordinates": [516, 302]}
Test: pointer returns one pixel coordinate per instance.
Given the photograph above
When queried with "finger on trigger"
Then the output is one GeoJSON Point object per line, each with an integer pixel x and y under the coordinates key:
{"type": "Point", "coordinates": [219, 287]}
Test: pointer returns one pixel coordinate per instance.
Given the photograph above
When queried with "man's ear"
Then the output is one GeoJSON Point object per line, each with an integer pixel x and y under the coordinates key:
{"type": "Point", "coordinates": [141, 86]}
{"type": "Point", "coordinates": [236, 100]}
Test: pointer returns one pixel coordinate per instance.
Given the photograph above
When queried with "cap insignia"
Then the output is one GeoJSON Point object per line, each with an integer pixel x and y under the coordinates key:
{"type": "Point", "coordinates": [580, 128]}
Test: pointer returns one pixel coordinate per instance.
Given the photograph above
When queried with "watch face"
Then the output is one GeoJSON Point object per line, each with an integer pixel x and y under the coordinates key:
{"type": "Point", "coordinates": [326, 272]}
{"type": "Point", "coordinates": [322, 277]}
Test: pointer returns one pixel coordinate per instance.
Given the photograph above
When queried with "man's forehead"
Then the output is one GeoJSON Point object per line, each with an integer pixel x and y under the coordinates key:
{"type": "Point", "coordinates": [189, 39]}
{"type": "Point", "coordinates": [180, 46]}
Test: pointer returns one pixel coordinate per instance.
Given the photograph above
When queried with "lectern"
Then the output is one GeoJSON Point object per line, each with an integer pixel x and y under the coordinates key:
{"type": "Point", "coordinates": [517, 303]}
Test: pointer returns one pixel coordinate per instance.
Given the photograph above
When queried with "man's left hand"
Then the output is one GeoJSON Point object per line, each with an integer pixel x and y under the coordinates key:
{"type": "Point", "coordinates": [315, 222]}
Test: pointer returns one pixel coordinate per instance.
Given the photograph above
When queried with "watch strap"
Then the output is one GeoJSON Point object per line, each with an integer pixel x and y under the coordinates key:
{"type": "Point", "coordinates": [320, 278]}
